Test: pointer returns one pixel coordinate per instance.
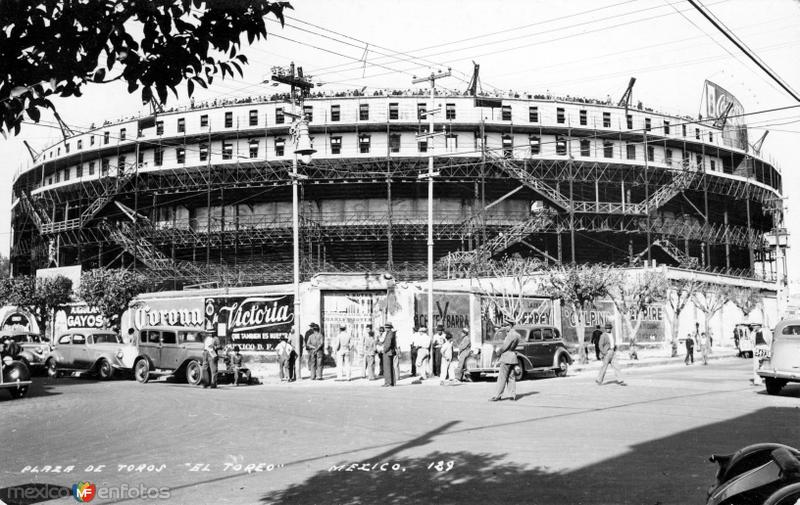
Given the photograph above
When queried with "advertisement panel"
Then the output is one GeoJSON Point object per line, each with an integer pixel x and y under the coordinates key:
{"type": "Point", "coordinates": [187, 312]}
{"type": "Point", "coordinates": [529, 310]}
{"type": "Point", "coordinates": [354, 309]}
{"type": "Point", "coordinates": [600, 314]}
{"type": "Point", "coordinates": [653, 328]}
{"type": "Point", "coordinates": [451, 310]}
{"type": "Point", "coordinates": [734, 133]}
{"type": "Point", "coordinates": [254, 323]}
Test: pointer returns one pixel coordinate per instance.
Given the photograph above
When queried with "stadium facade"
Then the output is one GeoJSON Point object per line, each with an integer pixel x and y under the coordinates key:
{"type": "Point", "coordinates": [203, 194]}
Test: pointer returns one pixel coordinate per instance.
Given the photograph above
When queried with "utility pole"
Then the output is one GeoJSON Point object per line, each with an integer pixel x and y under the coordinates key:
{"type": "Point", "coordinates": [431, 79]}
{"type": "Point", "coordinates": [295, 80]}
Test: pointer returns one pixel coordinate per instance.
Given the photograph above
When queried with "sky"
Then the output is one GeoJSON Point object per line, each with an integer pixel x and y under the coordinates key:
{"type": "Point", "coordinates": [586, 48]}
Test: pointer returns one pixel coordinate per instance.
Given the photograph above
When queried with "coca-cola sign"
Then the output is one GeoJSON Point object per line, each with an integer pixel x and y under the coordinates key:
{"type": "Point", "coordinates": [253, 323]}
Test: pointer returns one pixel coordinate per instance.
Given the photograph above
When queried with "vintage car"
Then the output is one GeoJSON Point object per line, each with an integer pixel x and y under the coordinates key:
{"type": "Point", "coordinates": [97, 351]}
{"type": "Point", "coordinates": [781, 364]}
{"type": "Point", "coordinates": [35, 348]}
{"type": "Point", "coordinates": [14, 377]}
{"type": "Point", "coordinates": [540, 349]}
{"type": "Point", "coordinates": [169, 350]}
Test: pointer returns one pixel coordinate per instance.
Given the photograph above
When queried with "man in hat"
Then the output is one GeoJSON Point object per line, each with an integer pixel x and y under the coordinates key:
{"type": "Point", "coordinates": [608, 350]}
{"type": "Point", "coordinates": [596, 341]}
{"type": "Point", "coordinates": [464, 347]}
{"type": "Point", "coordinates": [379, 348]}
{"type": "Point", "coordinates": [507, 362]}
{"type": "Point", "coordinates": [283, 351]}
{"type": "Point", "coordinates": [341, 348]}
{"type": "Point", "coordinates": [315, 345]}
{"type": "Point", "coordinates": [423, 344]}
{"type": "Point", "coordinates": [439, 338]}
{"type": "Point", "coordinates": [369, 350]}
{"type": "Point", "coordinates": [389, 352]}
{"type": "Point", "coordinates": [304, 344]}
{"type": "Point", "coordinates": [414, 352]}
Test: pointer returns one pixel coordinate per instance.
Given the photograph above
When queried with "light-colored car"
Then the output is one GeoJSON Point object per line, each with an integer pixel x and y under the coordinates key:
{"type": "Point", "coordinates": [781, 364]}
{"type": "Point", "coordinates": [35, 348]}
{"type": "Point", "coordinates": [98, 351]}
{"type": "Point", "coordinates": [540, 349]}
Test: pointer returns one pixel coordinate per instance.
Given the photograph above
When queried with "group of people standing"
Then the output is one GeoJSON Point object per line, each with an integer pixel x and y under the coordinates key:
{"type": "Point", "coordinates": [375, 354]}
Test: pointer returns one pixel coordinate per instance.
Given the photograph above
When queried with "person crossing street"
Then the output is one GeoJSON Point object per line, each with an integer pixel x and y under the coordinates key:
{"type": "Point", "coordinates": [608, 350]}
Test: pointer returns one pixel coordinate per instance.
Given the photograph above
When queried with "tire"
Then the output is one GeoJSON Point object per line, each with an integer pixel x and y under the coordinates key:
{"type": "Point", "coordinates": [52, 369]}
{"type": "Point", "coordinates": [141, 371]}
{"type": "Point", "coordinates": [519, 371]}
{"type": "Point", "coordinates": [774, 386]}
{"type": "Point", "coordinates": [17, 371]}
{"type": "Point", "coordinates": [193, 373]}
{"type": "Point", "coordinates": [474, 377]}
{"type": "Point", "coordinates": [563, 366]}
{"type": "Point", "coordinates": [104, 370]}
{"type": "Point", "coordinates": [788, 495]}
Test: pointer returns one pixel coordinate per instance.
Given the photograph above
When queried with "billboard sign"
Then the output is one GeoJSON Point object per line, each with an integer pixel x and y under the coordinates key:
{"type": "Point", "coordinates": [254, 323]}
{"type": "Point", "coordinates": [529, 310]}
{"type": "Point", "coordinates": [598, 315]}
{"type": "Point", "coordinates": [451, 310]}
{"type": "Point", "coordinates": [734, 133]}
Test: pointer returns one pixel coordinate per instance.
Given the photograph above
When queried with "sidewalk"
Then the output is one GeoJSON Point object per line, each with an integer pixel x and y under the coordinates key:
{"type": "Point", "coordinates": [267, 373]}
{"type": "Point", "coordinates": [652, 357]}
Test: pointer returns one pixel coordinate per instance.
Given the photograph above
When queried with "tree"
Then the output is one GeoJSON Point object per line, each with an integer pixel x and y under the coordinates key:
{"type": "Point", "coordinates": [111, 291]}
{"type": "Point", "coordinates": [39, 296]}
{"type": "Point", "coordinates": [5, 266]}
{"type": "Point", "coordinates": [678, 295]}
{"type": "Point", "coordinates": [710, 298]}
{"type": "Point", "coordinates": [747, 299]}
{"type": "Point", "coordinates": [55, 47]}
{"type": "Point", "coordinates": [632, 296]}
{"type": "Point", "coordinates": [507, 296]}
{"type": "Point", "coordinates": [577, 287]}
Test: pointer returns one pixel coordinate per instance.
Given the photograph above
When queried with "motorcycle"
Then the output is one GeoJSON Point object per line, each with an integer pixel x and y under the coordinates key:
{"type": "Point", "coordinates": [14, 376]}
{"type": "Point", "coordinates": [759, 474]}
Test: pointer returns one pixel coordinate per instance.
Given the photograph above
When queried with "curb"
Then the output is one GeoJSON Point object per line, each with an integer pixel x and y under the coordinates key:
{"type": "Point", "coordinates": [653, 362]}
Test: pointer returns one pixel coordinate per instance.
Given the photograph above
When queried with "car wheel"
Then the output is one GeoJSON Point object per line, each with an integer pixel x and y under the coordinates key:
{"type": "Point", "coordinates": [104, 370]}
{"type": "Point", "coordinates": [16, 372]}
{"type": "Point", "coordinates": [519, 371]}
{"type": "Point", "coordinates": [194, 373]}
{"type": "Point", "coordinates": [141, 371]}
{"type": "Point", "coordinates": [563, 366]}
{"type": "Point", "coordinates": [52, 369]}
{"type": "Point", "coordinates": [474, 377]}
{"type": "Point", "coordinates": [774, 386]}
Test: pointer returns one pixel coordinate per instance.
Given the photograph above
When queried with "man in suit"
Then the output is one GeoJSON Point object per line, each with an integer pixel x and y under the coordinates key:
{"type": "Point", "coordinates": [596, 341]}
{"type": "Point", "coordinates": [439, 339]}
{"type": "Point", "coordinates": [608, 350]}
{"type": "Point", "coordinates": [389, 352]}
{"type": "Point", "coordinates": [283, 351]}
{"type": "Point", "coordinates": [315, 345]}
{"type": "Point", "coordinates": [464, 348]}
{"type": "Point", "coordinates": [507, 362]}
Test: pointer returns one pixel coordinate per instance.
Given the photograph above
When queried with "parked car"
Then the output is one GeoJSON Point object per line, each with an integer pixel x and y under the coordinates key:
{"type": "Point", "coordinates": [15, 377]}
{"type": "Point", "coordinates": [35, 348]}
{"type": "Point", "coordinates": [169, 350]}
{"type": "Point", "coordinates": [540, 349]}
{"type": "Point", "coordinates": [98, 351]}
{"type": "Point", "coordinates": [781, 364]}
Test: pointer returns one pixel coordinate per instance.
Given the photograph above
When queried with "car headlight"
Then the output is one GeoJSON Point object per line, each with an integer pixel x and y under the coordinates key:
{"type": "Point", "coordinates": [120, 354]}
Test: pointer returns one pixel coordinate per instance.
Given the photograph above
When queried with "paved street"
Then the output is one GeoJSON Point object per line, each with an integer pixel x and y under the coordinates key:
{"type": "Point", "coordinates": [564, 441]}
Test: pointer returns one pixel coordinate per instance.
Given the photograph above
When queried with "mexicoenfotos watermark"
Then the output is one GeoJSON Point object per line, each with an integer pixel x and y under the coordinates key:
{"type": "Point", "coordinates": [86, 492]}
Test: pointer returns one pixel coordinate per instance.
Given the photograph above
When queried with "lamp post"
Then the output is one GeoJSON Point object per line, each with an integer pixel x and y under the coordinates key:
{"type": "Point", "coordinates": [431, 79]}
{"type": "Point", "coordinates": [299, 131]}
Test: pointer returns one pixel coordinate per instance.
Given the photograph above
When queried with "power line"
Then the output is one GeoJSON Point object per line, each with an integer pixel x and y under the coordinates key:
{"type": "Point", "coordinates": [746, 50]}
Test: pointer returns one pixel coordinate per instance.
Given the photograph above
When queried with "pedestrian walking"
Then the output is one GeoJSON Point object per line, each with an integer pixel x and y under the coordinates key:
{"type": "Point", "coordinates": [209, 367]}
{"type": "Point", "coordinates": [507, 362]}
{"type": "Point", "coordinates": [423, 343]}
{"type": "Point", "coordinates": [689, 349]}
{"type": "Point", "coordinates": [369, 355]}
{"type": "Point", "coordinates": [283, 351]}
{"type": "Point", "coordinates": [608, 350]}
{"type": "Point", "coordinates": [389, 353]}
{"type": "Point", "coordinates": [315, 345]}
{"type": "Point", "coordinates": [439, 338]}
{"type": "Point", "coordinates": [447, 358]}
{"type": "Point", "coordinates": [342, 348]}
{"type": "Point", "coordinates": [596, 341]}
{"type": "Point", "coordinates": [464, 348]}
{"type": "Point", "coordinates": [704, 344]}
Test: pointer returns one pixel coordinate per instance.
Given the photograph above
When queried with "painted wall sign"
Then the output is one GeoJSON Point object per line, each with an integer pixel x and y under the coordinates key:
{"type": "Point", "coordinates": [254, 323]}
{"type": "Point", "coordinates": [449, 309]}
